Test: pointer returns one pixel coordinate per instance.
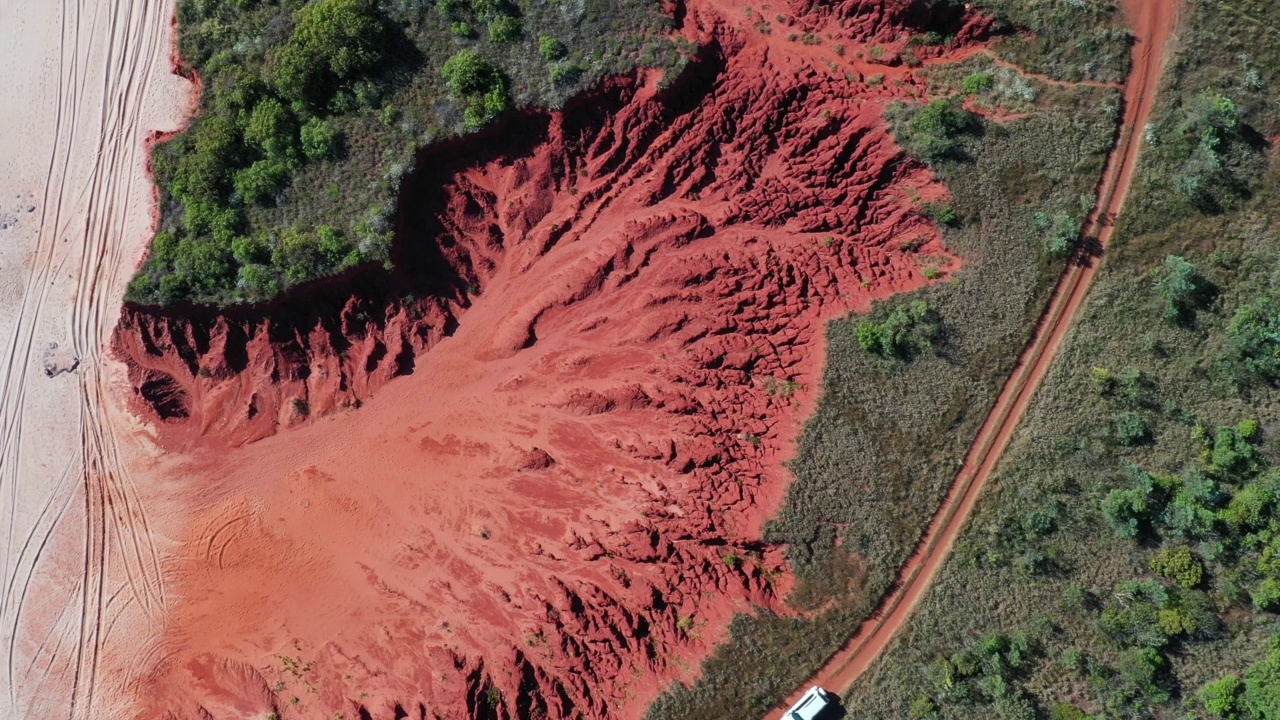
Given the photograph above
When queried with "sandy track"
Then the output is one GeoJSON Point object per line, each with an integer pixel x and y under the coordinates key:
{"type": "Point", "coordinates": [85, 84]}
{"type": "Point", "coordinates": [1153, 24]}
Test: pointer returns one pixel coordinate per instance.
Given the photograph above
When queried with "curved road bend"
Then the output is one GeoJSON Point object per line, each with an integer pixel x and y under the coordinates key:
{"type": "Point", "coordinates": [1152, 23]}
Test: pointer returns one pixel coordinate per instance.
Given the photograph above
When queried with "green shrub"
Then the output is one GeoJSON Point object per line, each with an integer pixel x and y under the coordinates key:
{"type": "Point", "coordinates": [469, 74]}
{"type": "Point", "coordinates": [505, 29]}
{"type": "Point", "coordinates": [932, 130]}
{"type": "Point", "coordinates": [1180, 565]}
{"type": "Point", "coordinates": [941, 213]}
{"type": "Point", "coordinates": [320, 140]}
{"type": "Point", "coordinates": [1064, 711]}
{"type": "Point", "coordinates": [462, 29]}
{"type": "Point", "coordinates": [907, 330]}
{"type": "Point", "coordinates": [550, 48]}
{"type": "Point", "coordinates": [978, 82]}
{"type": "Point", "coordinates": [1131, 429]}
{"type": "Point", "coordinates": [565, 72]}
{"type": "Point", "coordinates": [1208, 137]}
{"type": "Point", "coordinates": [1181, 287]}
{"type": "Point", "coordinates": [1061, 231]}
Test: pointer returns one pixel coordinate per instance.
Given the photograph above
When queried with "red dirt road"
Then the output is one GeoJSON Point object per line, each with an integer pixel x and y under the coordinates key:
{"type": "Point", "coordinates": [1153, 23]}
{"type": "Point", "coordinates": [569, 431]}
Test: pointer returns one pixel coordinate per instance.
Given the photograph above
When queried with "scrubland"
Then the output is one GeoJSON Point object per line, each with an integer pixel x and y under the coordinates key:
{"type": "Point", "coordinates": [1121, 564]}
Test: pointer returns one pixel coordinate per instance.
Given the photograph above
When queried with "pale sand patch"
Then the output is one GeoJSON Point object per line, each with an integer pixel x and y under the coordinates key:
{"type": "Point", "coordinates": [82, 87]}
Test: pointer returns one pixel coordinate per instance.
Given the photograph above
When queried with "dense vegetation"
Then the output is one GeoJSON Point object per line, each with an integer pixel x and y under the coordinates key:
{"type": "Point", "coordinates": [1130, 539]}
{"type": "Point", "coordinates": [312, 112]}
{"type": "Point", "coordinates": [906, 387]}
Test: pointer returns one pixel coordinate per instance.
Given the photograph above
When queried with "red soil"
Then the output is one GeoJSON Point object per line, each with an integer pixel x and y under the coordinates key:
{"type": "Point", "coordinates": [616, 322]}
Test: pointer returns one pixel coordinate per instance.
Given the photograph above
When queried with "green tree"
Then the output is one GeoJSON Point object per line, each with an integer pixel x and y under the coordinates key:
{"type": "Point", "coordinates": [1065, 711]}
{"type": "Point", "coordinates": [1253, 337]}
{"type": "Point", "coordinates": [1221, 698]}
{"type": "Point", "coordinates": [208, 153]}
{"type": "Point", "coordinates": [259, 281]}
{"type": "Point", "coordinates": [1266, 594]}
{"type": "Point", "coordinates": [1232, 452]}
{"type": "Point", "coordinates": [1261, 697]}
{"type": "Point", "coordinates": [247, 251]}
{"type": "Point", "coordinates": [905, 331]}
{"type": "Point", "coordinates": [205, 265]}
{"type": "Point", "coordinates": [1145, 668]}
{"type": "Point", "coordinates": [333, 41]}
{"type": "Point", "coordinates": [1251, 506]}
{"type": "Point", "coordinates": [261, 181]}
{"type": "Point", "coordinates": [1128, 510]}
{"type": "Point", "coordinates": [1132, 616]}
{"type": "Point", "coordinates": [273, 129]}
{"type": "Point", "coordinates": [334, 247]}
{"type": "Point", "coordinates": [298, 257]}
{"type": "Point", "coordinates": [208, 217]}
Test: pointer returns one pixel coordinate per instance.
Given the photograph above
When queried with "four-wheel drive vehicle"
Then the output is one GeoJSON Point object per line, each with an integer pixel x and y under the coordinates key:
{"type": "Point", "coordinates": [810, 706]}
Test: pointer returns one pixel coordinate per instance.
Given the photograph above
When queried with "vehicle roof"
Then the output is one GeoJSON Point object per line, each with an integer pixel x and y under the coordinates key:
{"type": "Point", "coordinates": [809, 706]}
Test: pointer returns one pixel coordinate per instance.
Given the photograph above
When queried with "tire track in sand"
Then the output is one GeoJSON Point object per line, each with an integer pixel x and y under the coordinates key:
{"type": "Point", "coordinates": [107, 57]}
{"type": "Point", "coordinates": [1152, 23]}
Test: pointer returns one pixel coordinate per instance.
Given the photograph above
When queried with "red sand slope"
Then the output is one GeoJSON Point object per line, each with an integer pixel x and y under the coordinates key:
{"type": "Point", "coordinates": [614, 336]}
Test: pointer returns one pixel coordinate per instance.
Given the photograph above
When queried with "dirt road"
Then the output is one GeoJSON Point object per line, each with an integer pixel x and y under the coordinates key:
{"type": "Point", "coordinates": [1152, 23]}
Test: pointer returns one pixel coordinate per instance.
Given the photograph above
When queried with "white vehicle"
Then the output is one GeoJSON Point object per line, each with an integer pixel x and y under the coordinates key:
{"type": "Point", "coordinates": [810, 706]}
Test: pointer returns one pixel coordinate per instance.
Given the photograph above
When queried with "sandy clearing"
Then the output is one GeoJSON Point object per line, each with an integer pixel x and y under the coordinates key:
{"type": "Point", "coordinates": [1153, 25]}
{"type": "Point", "coordinates": [84, 84]}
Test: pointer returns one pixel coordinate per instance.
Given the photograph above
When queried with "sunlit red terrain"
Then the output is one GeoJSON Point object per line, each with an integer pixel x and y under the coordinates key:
{"type": "Point", "coordinates": [504, 480]}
